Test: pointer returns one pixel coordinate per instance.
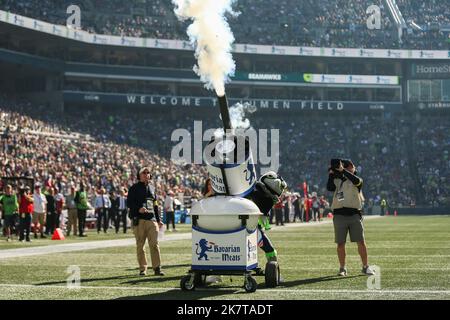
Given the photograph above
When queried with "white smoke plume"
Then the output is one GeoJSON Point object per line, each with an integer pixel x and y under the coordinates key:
{"type": "Point", "coordinates": [238, 120]}
{"type": "Point", "coordinates": [212, 39]}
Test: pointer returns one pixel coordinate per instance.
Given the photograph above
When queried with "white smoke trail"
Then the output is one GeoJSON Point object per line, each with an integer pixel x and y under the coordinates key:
{"type": "Point", "coordinates": [238, 120]}
{"type": "Point", "coordinates": [212, 39]}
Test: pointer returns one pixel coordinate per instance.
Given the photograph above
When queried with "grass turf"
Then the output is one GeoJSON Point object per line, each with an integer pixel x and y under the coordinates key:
{"type": "Point", "coordinates": [91, 236]}
{"type": "Point", "coordinates": [412, 252]}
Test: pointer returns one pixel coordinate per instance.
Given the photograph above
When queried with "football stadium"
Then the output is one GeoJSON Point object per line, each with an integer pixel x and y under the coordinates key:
{"type": "Point", "coordinates": [108, 109]}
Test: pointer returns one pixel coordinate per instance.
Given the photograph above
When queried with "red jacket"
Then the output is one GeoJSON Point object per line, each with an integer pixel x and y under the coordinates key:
{"type": "Point", "coordinates": [25, 206]}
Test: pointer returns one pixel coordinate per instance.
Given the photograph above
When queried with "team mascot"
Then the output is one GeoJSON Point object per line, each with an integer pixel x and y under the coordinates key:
{"type": "Point", "coordinates": [265, 195]}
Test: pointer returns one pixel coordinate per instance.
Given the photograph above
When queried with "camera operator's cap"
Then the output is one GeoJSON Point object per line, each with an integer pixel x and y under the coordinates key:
{"type": "Point", "coordinates": [347, 162]}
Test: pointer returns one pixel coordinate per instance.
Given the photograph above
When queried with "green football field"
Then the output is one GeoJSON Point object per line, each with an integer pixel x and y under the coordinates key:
{"type": "Point", "coordinates": [413, 254]}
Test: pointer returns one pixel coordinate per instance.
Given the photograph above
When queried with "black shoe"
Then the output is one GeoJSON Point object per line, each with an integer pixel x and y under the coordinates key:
{"type": "Point", "coordinates": [83, 235]}
{"type": "Point", "coordinates": [143, 273]}
{"type": "Point", "coordinates": [35, 236]}
{"type": "Point", "coordinates": [159, 272]}
{"type": "Point", "coordinates": [43, 236]}
{"type": "Point", "coordinates": [29, 240]}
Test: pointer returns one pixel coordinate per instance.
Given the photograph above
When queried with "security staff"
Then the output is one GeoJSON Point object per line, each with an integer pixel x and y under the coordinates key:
{"type": "Point", "coordinates": [347, 211]}
{"type": "Point", "coordinates": [146, 221]}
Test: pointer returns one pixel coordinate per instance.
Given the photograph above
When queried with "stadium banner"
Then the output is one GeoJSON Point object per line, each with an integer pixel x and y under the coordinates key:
{"type": "Point", "coordinates": [430, 70]}
{"type": "Point", "coordinates": [254, 104]}
{"type": "Point", "coordinates": [83, 36]}
{"type": "Point", "coordinates": [437, 105]}
{"type": "Point", "coordinates": [351, 79]}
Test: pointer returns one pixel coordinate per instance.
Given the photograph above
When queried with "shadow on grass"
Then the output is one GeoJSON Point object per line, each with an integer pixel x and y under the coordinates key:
{"type": "Point", "coordinates": [174, 294]}
{"type": "Point", "coordinates": [288, 284]}
{"type": "Point", "coordinates": [187, 265]}
{"type": "Point", "coordinates": [89, 280]}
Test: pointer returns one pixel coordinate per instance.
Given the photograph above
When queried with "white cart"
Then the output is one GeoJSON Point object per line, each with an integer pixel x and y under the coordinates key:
{"type": "Point", "coordinates": [224, 241]}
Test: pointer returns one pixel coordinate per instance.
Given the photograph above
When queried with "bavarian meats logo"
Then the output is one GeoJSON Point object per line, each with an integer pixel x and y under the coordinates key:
{"type": "Point", "coordinates": [202, 247]}
{"type": "Point", "coordinates": [205, 249]}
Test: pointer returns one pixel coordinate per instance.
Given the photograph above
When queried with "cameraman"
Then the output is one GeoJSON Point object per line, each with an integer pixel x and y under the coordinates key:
{"type": "Point", "coordinates": [347, 211]}
{"type": "Point", "coordinates": [144, 213]}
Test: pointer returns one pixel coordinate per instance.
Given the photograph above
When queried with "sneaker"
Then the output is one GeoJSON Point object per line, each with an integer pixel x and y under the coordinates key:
{"type": "Point", "coordinates": [342, 272]}
{"type": "Point", "coordinates": [159, 272]}
{"type": "Point", "coordinates": [143, 273]}
{"type": "Point", "coordinates": [367, 270]}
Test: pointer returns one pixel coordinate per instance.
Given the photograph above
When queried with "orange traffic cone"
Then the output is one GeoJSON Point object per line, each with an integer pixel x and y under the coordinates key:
{"type": "Point", "coordinates": [58, 235]}
{"type": "Point", "coordinates": [395, 213]}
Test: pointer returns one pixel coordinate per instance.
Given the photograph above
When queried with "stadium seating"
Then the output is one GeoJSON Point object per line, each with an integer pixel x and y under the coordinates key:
{"type": "Point", "coordinates": [330, 23]}
{"type": "Point", "coordinates": [386, 150]}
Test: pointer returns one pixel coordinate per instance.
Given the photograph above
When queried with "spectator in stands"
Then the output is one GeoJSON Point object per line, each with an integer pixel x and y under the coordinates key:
{"type": "Point", "coordinates": [169, 210]}
{"type": "Point", "coordinates": [10, 208]}
{"type": "Point", "coordinates": [59, 203]}
{"type": "Point", "coordinates": [208, 190]}
{"type": "Point", "coordinates": [315, 207]}
{"type": "Point", "coordinates": [123, 211]}
{"type": "Point", "coordinates": [81, 201]}
{"type": "Point", "coordinates": [102, 206]}
{"type": "Point", "coordinates": [51, 211]}
{"type": "Point", "coordinates": [40, 210]}
{"type": "Point", "coordinates": [25, 212]}
{"type": "Point", "coordinates": [72, 214]}
{"type": "Point", "coordinates": [278, 208]}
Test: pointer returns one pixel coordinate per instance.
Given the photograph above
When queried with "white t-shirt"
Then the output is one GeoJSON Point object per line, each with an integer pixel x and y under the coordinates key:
{"type": "Point", "coordinates": [168, 204]}
{"type": "Point", "coordinates": [40, 202]}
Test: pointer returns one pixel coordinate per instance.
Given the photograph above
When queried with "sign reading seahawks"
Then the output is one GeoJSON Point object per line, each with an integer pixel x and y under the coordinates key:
{"type": "Point", "coordinates": [233, 250]}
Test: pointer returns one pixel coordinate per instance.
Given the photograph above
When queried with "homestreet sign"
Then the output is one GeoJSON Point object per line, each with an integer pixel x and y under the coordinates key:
{"type": "Point", "coordinates": [257, 104]}
{"type": "Point", "coordinates": [428, 70]}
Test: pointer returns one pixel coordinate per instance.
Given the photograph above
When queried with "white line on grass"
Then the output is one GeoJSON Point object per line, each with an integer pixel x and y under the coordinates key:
{"type": "Point", "coordinates": [79, 246]}
{"type": "Point", "coordinates": [298, 291]}
{"type": "Point", "coordinates": [82, 246]}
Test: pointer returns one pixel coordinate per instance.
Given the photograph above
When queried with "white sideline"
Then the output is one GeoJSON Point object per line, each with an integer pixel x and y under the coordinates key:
{"type": "Point", "coordinates": [91, 245]}
{"type": "Point", "coordinates": [297, 291]}
{"type": "Point", "coordinates": [80, 246]}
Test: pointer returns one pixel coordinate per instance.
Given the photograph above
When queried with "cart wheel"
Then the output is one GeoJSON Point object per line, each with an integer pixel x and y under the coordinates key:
{"type": "Point", "coordinates": [187, 284]}
{"type": "Point", "coordinates": [199, 280]}
{"type": "Point", "coordinates": [272, 274]}
{"type": "Point", "coordinates": [250, 284]}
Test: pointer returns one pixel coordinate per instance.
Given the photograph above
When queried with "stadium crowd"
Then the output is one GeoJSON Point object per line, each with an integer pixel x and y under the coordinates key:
{"type": "Point", "coordinates": [335, 23]}
{"type": "Point", "coordinates": [98, 150]}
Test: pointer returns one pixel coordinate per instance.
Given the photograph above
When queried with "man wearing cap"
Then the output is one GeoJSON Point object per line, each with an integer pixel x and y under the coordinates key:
{"type": "Point", "coordinates": [347, 212]}
{"type": "Point", "coordinates": [144, 213]}
{"type": "Point", "coordinates": [40, 210]}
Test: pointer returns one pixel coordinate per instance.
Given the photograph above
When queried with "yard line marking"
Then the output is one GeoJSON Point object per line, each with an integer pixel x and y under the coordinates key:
{"type": "Point", "coordinates": [301, 291]}
{"type": "Point", "coordinates": [101, 244]}
{"type": "Point", "coordinates": [79, 246]}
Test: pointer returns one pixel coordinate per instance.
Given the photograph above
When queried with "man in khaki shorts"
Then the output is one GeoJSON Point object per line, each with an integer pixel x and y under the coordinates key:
{"type": "Point", "coordinates": [347, 211]}
{"type": "Point", "coordinates": [40, 210]}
